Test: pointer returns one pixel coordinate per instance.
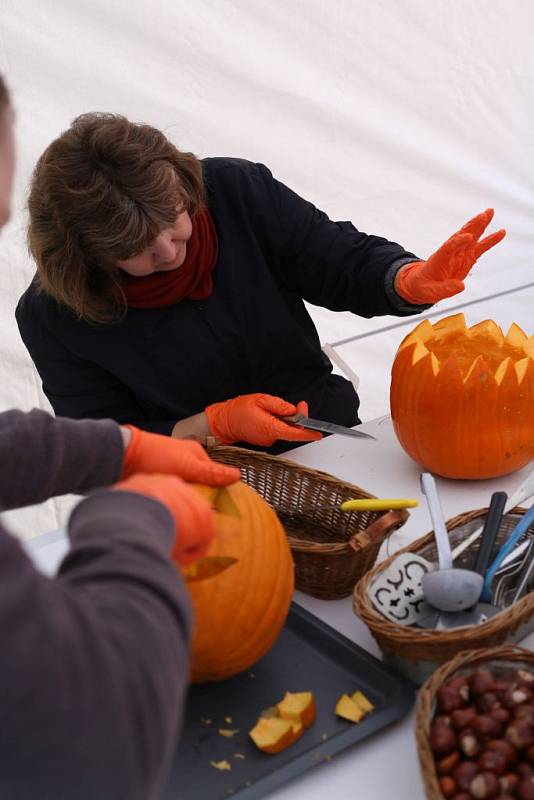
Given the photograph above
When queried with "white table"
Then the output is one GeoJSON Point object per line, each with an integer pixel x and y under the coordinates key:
{"type": "Point", "coordinates": [384, 766]}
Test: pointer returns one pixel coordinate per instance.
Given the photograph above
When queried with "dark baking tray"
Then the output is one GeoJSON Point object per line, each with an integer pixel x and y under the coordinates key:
{"type": "Point", "coordinates": [308, 656]}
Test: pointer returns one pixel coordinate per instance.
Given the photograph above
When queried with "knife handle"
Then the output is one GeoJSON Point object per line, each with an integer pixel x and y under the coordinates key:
{"type": "Point", "coordinates": [378, 504]}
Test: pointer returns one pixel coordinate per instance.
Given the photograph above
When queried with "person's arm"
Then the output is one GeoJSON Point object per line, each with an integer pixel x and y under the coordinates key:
{"type": "Point", "coordinates": [45, 456]}
{"type": "Point", "coordinates": [329, 264]}
{"type": "Point", "coordinates": [95, 663]}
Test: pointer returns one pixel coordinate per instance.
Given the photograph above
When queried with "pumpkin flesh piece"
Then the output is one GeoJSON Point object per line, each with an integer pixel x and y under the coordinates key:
{"type": "Point", "coordinates": [347, 709]}
{"type": "Point", "coordinates": [272, 734]}
{"type": "Point", "coordinates": [298, 707]}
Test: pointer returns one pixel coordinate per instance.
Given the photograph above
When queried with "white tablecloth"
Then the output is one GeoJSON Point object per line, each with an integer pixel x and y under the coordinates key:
{"type": "Point", "coordinates": [384, 766]}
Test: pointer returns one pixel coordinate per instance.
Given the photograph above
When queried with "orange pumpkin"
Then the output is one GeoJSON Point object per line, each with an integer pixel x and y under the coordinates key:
{"type": "Point", "coordinates": [462, 399]}
{"type": "Point", "coordinates": [242, 589]}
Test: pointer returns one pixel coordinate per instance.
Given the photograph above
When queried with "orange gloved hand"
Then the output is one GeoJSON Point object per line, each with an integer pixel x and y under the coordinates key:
{"type": "Point", "coordinates": [254, 418]}
{"type": "Point", "coordinates": [151, 452]}
{"type": "Point", "coordinates": [443, 274]}
{"type": "Point", "coordinates": [193, 517]}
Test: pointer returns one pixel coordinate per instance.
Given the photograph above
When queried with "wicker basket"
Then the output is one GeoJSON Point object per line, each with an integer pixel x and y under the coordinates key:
{"type": "Point", "coordinates": [467, 661]}
{"type": "Point", "coordinates": [331, 549]}
{"type": "Point", "coordinates": [417, 652]}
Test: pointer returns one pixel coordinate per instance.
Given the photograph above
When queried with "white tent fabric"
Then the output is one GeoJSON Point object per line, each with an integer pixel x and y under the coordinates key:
{"type": "Point", "coordinates": [405, 117]}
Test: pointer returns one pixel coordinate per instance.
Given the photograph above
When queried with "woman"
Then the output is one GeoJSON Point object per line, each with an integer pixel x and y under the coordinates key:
{"type": "Point", "coordinates": [170, 291]}
{"type": "Point", "coordinates": [95, 662]}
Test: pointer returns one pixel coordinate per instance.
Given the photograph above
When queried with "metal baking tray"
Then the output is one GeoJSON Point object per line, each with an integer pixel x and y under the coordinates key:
{"type": "Point", "coordinates": [308, 656]}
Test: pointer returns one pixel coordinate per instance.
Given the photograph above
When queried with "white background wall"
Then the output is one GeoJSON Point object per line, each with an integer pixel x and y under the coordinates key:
{"type": "Point", "coordinates": [405, 116]}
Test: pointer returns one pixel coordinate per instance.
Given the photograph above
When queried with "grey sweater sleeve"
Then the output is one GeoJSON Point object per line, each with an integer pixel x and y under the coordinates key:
{"type": "Point", "coordinates": [95, 662]}
{"type": "Point", "coordinates": [45, 456]}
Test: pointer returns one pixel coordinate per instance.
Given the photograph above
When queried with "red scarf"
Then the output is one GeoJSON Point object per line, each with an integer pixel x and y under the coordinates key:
{"type": "Point", "coordinates": [193, 279]}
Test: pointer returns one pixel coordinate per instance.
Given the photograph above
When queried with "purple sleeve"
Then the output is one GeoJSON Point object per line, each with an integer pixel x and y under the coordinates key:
{"type": "Point", "coordinates": [45, 456]}
{"type": "Point", "coordinates": [95, 662]}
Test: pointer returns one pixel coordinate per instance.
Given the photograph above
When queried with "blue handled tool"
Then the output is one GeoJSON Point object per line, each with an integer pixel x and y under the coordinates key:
{"type": "Point", "coordinates": [520, 529]}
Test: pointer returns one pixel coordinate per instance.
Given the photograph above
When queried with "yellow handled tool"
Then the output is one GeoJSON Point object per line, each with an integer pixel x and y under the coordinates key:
{"type": "Point", "coordinates": [377, 504]}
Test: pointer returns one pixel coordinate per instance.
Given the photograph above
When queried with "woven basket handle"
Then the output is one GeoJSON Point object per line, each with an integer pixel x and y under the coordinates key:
{"type": "Point", "coordinates": [379, 530]}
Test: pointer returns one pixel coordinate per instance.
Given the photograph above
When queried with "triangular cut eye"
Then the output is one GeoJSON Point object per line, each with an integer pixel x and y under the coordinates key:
{"type": "Point", "coordinates": [207, 567]}
{"type": "Point", "coordinates": [225, 504]}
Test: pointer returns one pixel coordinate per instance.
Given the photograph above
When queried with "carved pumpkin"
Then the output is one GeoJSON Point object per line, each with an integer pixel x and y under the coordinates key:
{"type": "Point", "coordinates": [462, 399]}
{"type": "Point", "coordinates": [242, 589]}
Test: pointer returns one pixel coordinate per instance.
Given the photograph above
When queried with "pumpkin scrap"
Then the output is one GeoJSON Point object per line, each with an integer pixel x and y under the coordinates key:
{"type": "Point", "coordinates": [221, 765]}
{"type": "Point", "coordinates": [228, 732]}
{"type": "Point", "coordinates": [353, 708]}
{"type": "Point", "coordinates": [281, 725]}
{"type": "Point", "coordinates": [363, 702]}
{"type": "Point", "coordinates": [273, 734]}
{"type": "Point", "coordinates": [239, 610]}
{"type": "Point", "coordinates": [299, 707]}
{"type": "Point", "coordinates": [462, 399]}
{"type": "Point", "coordinates": [348, 709]}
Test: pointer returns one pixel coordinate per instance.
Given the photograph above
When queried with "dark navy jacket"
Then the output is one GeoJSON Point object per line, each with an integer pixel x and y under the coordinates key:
{"type": "Point", "coordinates": [253, 334]}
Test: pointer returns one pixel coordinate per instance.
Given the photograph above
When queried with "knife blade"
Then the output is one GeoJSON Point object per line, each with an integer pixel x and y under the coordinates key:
{"type": "Point", "coordinates": [325, 427]}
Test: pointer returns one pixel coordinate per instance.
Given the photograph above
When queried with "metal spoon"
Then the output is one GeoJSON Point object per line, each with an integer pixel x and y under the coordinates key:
{"type": "Point", "coordinates": [448, 588]}
{"type": "Point", "coordinates": [481, 611]}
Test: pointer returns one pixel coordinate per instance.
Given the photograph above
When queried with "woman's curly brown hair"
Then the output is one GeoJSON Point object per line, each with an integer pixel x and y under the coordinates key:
{"type": "Point", "coordinates": [100, 193]}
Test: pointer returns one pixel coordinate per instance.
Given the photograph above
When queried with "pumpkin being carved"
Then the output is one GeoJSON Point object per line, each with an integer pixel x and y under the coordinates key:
{"type": "Point", "coordinates": [242, 589]}
{"type": "Point", "coordinates": [462, 399]}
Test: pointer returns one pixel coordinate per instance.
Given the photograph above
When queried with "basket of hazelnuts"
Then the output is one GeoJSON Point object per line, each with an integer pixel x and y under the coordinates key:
{"type": "Point", "coordinates": [475, 726]}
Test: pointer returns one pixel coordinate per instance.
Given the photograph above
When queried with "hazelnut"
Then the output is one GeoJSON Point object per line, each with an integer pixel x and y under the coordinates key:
{"type": "Point", "coordinates": [446, 765]}
{"type": "Point", "coordinates": [524, 771]}
{"type": "Point", "coordinates": [447, 786]}
{"type": "Point", "coordinates": [516, 696]}
{"type": "Point", "coordinates": [463, 717]}
{"type": "Point", "coordinates": [524, 676]}
{"type": "Point", "coordinates": [493, 761]}
{"type": "Point", "coordinates": [468, 743]}
{"type": "Point", "coordinates": [481, 681]}
{"type": "Point", "coordinates": [486, 727]}
{"type": "Point", "coordinates": [449, 698]}
{"type": "Point", "coordinates": [487, 701]}
{"type": "Point", "coordinates": [463, 796]}
{"type": "Point", "coordinates": [464, 774]}
{"type": "Point", "coordinates": [529, 755]}
{"type": "Point", "coordinates": [442, 719]}
{"type": "Point", "coordinates": [520, 734]}
{"type": "Point", "coordinates": [525, 789]}
{"type": "Point", "coordinates": [442, 740]}
{"type": "Point", "coordinates": [525, 712]}
{"type": "Point", "coordinates": [504, 747]}
{"type": "Point", "coordinates": [484, 785]}
{"type": "Point", "coordinates": [502, 715]}
{"type": "Point", "coordinates": [508, 783]}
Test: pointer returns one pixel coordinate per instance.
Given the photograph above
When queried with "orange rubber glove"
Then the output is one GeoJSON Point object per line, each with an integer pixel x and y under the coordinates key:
{"type": "Point", "coordinates": [443, 274]}
{"type": "Point", "coordinates": [150, 452]}
{"type": "Point", "coordinates": [254, 418]}
{"type": "Point", "coordinates": [194, 519]}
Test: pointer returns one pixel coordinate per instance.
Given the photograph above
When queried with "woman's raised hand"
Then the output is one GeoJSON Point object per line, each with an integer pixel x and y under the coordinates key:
{"type": "Point", "coordinates": [443, 274]}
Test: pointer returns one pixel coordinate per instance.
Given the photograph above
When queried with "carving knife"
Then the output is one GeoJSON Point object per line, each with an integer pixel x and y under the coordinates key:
{"type": "Point", "coordinates": [325, 427]}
